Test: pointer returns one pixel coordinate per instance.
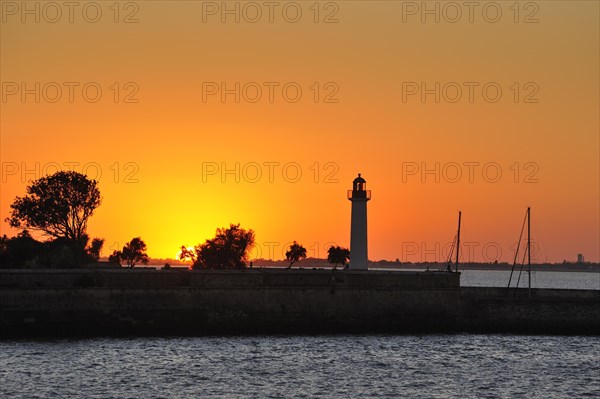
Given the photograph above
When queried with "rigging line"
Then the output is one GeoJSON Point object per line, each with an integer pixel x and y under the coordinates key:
{"type": "Point", "coordinates": [524, 255]}
{"type": "Point", "coordinates": [519, 279]}
{"type": "Point", "coordinates": [517, 253]}
{"type": "Point", "coordinates": [452, 250]}
{"type": "Point", "coordinates": [522, 264]}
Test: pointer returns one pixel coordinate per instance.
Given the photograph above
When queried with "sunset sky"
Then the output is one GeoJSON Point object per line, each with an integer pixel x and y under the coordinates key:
{"type": "Point", "coordinates": [163, 130]}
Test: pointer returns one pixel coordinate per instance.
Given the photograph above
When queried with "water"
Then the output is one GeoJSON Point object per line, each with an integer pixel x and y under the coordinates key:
{"type": "Point", "coordinates": [429, 366]}
{"type": "Point", "coordinates": [499, 278]}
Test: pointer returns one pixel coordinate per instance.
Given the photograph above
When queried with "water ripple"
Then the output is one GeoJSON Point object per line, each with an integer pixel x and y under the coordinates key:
{"type": "Point", "coordinates": [380, 366]}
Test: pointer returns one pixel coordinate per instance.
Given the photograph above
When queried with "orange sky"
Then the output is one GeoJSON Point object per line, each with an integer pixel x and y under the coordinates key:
{"type": "Point", "coordinates": [155, 154]}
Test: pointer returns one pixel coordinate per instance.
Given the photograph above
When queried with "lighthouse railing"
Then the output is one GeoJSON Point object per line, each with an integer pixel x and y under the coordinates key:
{"type": "Point", "coordinates": [355, 194]}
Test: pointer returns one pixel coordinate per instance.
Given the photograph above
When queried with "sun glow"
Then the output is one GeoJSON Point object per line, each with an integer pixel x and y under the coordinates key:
{"type": "Point", "coordinates": [178, 256]}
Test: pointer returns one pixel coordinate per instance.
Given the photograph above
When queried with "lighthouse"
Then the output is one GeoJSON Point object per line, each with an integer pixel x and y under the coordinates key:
{"type": "Point", "coordinates": [359, 195]}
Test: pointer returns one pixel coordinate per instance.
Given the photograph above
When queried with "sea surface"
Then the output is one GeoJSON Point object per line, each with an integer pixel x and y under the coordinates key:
{"type": "Point", "coordinates": [539, 279]}
{"type": "Point", "coordinates": [341, 366]}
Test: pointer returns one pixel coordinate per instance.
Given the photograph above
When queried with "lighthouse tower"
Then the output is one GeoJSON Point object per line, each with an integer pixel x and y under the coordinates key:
{"type": "Point", "coordinates": [359, 196]}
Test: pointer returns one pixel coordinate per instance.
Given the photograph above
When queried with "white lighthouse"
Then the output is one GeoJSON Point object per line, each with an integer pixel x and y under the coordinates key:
{"type": "Point", "coordinates": [359, 195]}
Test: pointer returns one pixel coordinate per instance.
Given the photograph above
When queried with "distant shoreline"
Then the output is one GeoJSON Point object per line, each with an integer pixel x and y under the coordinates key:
{"type": "Point", "coordinates": [594, 267]}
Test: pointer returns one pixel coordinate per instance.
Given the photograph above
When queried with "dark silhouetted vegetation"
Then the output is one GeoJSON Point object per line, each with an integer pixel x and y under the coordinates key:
{"type": "Point", "coordinates": [189, 254]}
{"type": "Point", "coordinates": [229, 249]}
{"type": "Point", "coordinates": [25, 252]}
{"type": "Point", "coordinates": [115, 258]}
{"type": "Point", "coordinates": [95, 248]}
{"type": "Point", "coordinates": [295, 253]}
{"type": "Point", "coordinates": [21, 251]}
{"type": "Point", "coordinates": [338, 255]}
{"type": "Point", "coordinates": [58, 205]}
{"type": "Point", "coordinates": [132, 253]}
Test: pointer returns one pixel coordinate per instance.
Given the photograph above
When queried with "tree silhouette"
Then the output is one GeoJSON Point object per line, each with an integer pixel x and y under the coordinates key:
{"type": "Point", "coordinates": [95, 247]}
{"type": "Point", "coordinates": [229, 249]}
{"type": "Point", "coordinates": [133, 252]}
{"type": "Point", "coordinates": [23, 251]}
{"type": "Point", "coordinates": [20, 251]}
{"type": "Point", "coordinates": [295, 253]}
{"type": "Point", "coordinates": [337, 255]}
{"type": "Point", "coordinates": [115, 257]}
{"type": "Point", "coordinates": [189, 254]}
{"type": "Point", "coordinates": [58, 205]}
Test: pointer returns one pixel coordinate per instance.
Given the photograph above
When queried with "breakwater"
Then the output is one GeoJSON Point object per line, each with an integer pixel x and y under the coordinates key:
{"type": "Point", "coordinates": [152, 302]}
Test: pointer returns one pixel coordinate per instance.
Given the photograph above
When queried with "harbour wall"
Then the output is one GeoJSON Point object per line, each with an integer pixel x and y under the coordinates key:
{"type": "Point", "coordinates": [152, 302]}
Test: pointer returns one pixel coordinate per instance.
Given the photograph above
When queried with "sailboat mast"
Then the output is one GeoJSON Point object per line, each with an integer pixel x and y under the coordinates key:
{"type": "Point", "coordinates": [457, 242]}
{"type": "Point", "coordinates": [529, 247]}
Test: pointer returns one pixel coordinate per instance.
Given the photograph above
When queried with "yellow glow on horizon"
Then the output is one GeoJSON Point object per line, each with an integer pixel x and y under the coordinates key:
{"type": "Point", "coordinates": [178, 256]}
